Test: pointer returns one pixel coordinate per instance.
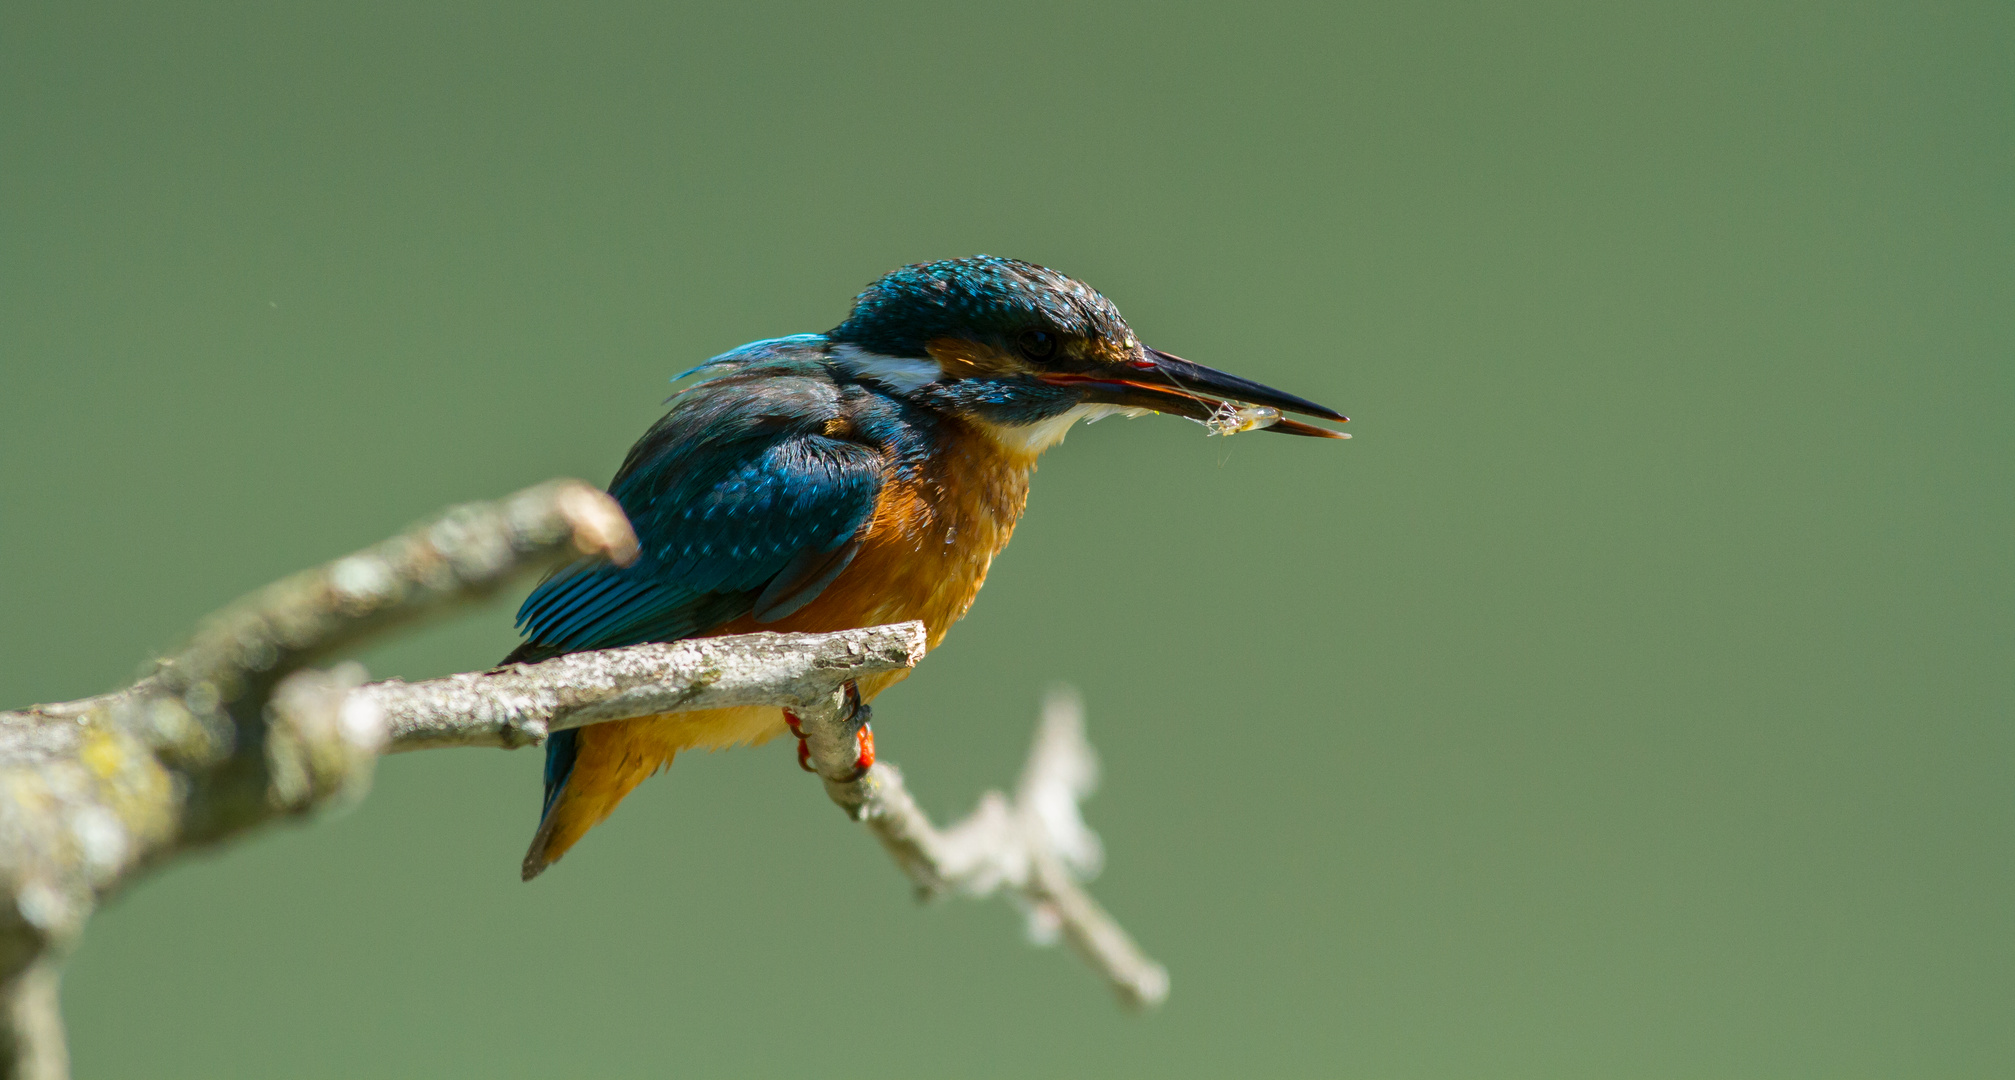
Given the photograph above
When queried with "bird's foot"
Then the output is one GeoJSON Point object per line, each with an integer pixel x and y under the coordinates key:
{"type": "Point", "coordinates": [864, 736]}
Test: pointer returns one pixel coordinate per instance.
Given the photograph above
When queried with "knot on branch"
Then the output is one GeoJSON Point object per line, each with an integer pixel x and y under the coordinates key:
{"type": "Point", "coordinates": [322, 739]}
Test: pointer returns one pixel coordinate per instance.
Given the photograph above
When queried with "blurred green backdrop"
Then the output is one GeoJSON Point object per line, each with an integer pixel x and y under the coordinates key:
{"type": "Point", "coordinates": [1631, 698]}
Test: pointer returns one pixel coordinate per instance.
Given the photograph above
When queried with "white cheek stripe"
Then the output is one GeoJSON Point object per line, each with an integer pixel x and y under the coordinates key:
{"type": "Point", "coordinates": [906, 375]}
{"type": "Point", "coordinates": [899, 373]}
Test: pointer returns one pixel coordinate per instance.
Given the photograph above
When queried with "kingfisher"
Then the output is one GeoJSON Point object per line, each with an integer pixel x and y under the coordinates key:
{"type": "Point", "coordinates": [862, 476]}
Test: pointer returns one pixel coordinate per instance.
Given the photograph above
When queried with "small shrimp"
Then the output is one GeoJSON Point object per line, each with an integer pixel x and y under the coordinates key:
{"type": "Point", "coordinates": [1229, 419]}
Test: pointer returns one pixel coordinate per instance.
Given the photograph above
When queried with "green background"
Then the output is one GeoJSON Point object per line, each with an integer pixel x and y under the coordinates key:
{"type": "Point", "coordinates": [1630, 698]}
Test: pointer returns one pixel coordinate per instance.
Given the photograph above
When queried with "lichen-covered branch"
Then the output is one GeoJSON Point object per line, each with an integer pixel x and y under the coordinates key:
{"type": "Point", "coordinates": [236, 730]}
{"type": "Point", "coordinates": [233, 731]}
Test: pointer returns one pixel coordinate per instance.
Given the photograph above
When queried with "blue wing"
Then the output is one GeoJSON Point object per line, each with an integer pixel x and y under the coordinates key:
{"type": "Point", "coordinates": [742, 506]}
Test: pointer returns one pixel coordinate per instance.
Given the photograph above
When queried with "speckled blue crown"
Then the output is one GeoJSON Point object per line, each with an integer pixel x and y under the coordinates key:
{"type": "Point", "coordinates": [899, 314]}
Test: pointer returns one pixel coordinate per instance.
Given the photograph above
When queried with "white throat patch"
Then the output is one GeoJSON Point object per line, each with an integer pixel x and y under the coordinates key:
{"type": "Point", "coordinates": [898, 373]}
{"type": "Point", "coordinates": [1033, 439]}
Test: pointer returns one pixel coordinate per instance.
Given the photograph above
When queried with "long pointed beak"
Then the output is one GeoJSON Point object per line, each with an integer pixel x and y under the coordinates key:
{"type": "Point", "coordinates": [1166, 383]}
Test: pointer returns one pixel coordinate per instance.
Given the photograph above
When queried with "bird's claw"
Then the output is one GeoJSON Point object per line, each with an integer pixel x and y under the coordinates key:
{"type": "Point", "coordinates": [864, 750]}
{"type": "Point", "coordinates": [864, 735]}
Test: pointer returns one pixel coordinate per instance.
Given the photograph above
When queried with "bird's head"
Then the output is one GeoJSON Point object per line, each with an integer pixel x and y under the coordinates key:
{"type": "Point", "coordinates": [1024, 351]}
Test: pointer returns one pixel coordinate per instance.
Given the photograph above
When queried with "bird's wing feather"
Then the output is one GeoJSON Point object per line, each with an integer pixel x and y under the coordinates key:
{"type": "Point", "coordinates": [736, 495]}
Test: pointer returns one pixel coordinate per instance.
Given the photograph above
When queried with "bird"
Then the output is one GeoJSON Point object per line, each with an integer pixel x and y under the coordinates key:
{"type": "Point", "coordinates": [863, 476]}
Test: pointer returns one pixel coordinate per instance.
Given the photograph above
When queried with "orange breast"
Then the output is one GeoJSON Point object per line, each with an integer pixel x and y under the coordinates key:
{"type": "Point", "coordinates": [928, 546]}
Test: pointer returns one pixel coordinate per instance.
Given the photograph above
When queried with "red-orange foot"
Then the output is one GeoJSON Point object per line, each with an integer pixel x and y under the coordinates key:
{"type": "Point", "coordinates": [864, 736]}
{"type": "Point", "coordinates": [864, 750]}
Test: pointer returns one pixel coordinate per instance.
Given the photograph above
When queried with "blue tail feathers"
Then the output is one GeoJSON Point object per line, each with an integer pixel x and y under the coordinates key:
{"type": "Point", "coordinates": [561, 749]}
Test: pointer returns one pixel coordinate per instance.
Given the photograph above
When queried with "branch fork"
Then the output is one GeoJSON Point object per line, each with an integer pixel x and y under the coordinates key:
{"type": "Point", "coordinates": [238, 729]}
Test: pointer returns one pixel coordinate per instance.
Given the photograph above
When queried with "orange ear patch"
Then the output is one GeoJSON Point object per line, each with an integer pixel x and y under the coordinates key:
{"type": "Point", "coordinates": [962, 359]}
{"type": "Point", "coordinates": [1108, 350]}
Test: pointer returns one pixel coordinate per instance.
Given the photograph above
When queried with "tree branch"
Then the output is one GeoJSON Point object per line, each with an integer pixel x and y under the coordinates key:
{"type": "Point", "coordinates": [521, 704]}
{"type": "Point", "coordinates": [235, 730]}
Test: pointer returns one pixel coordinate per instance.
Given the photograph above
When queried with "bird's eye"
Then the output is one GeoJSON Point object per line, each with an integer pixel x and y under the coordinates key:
{"type": "Point", "coordinates": [1037, 344]}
